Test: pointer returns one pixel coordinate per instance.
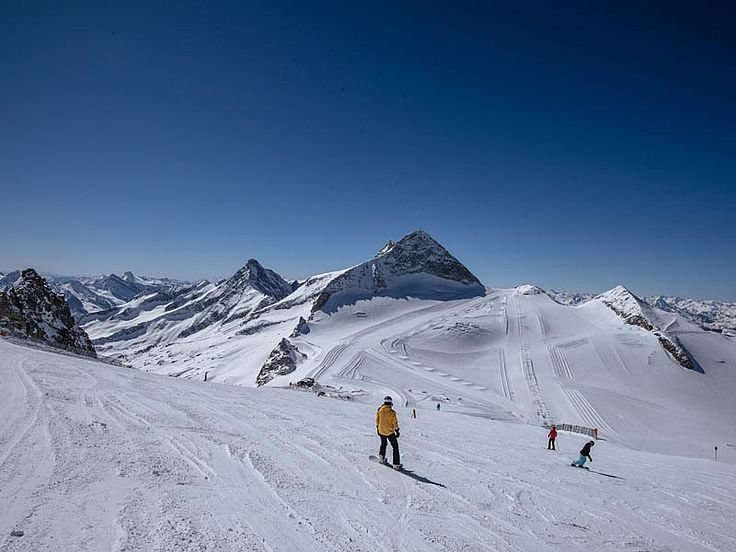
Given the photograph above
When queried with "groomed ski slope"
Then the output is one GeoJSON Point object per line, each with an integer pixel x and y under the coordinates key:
{"type": "Point", "coordinates": [97, 457]}
{"type": "Point", "coordinates": [516, 355]}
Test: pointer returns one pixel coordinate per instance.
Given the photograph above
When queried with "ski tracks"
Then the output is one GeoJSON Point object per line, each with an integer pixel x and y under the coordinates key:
{"type": "Point", "coordinates": [527, 368]}
{"type": "Point", "coordinates": [586, 410]}
{"type": "Point", "coordinates": [504, 374]}
{"type": "Point", "coordinates": [560, 364]}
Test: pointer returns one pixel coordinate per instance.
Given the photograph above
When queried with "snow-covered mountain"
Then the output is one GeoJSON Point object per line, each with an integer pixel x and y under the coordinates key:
{"type": "Point", "coordinates": [709, 314]}
{"type": "Point", "coordinates": [31, 309]}
{"type": "Point", "coordinates": [88, 295]}
{"type": "Point", "coordinates": [636, 312]}
{"type": "Point", "coordinates": [415, 266]}
{"type": "Point", "coordinates": [569, 297]}
{"type": "Point", "coordinates": [7, 280]}
{"type": "Point", "coordinates": [231, 328]}
{"type": "Point", "coordinates": [712, 315]}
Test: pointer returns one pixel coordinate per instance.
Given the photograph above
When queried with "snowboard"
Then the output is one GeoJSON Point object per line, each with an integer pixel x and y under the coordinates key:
{"type": "Point", "coordinates": [377, 460]}
{"type": "Point", "coordinates": [582, 467]}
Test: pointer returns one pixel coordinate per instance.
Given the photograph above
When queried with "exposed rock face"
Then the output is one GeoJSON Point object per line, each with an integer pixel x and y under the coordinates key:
{"type": "Point", "coordinates": [264, 280]}
{"type": "Point", "coordinates": [636, 312]}
{"type": "Point", "coordinates": [31, 309]}
{"type": "Point", "coordinates": [416, 254]}
{"type": "Point", "coordinates": [282, 360]}
{"type": "Point", "coordinates": [302, 328]}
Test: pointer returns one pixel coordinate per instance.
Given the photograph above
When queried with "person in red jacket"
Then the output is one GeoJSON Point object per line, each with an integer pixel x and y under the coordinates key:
{"type": "Point", "coordinates": [552, 435]}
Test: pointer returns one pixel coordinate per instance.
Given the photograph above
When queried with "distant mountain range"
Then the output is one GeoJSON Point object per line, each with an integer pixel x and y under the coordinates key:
{"type": "Point", "coordinates": [709, 314]}
{"type": "Point", "coordinates": [239, 328]}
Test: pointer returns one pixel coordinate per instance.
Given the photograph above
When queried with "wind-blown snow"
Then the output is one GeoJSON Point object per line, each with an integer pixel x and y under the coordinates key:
{"type": "Point", "coordinates": [96, 457]}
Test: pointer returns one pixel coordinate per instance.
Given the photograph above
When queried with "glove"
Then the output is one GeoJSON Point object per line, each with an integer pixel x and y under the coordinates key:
{"type": "Point", "coordinates": [397, 433]}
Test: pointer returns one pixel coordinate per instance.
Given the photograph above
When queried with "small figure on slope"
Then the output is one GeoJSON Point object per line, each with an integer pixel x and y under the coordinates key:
{"type": "Point", "coordinates": [584, 454]}
{"type": "Point", "coordinates": [552, 435]}
{"type": "Point", "coordinates": [387, 427]}
{"type": "Point", "coordinates": [438, 407]}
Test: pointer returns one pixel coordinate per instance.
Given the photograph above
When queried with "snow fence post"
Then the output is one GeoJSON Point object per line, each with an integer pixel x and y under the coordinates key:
{"type": "Point", "coordinates": [716, 453]}
{"type": "Point", "coordinates": [595, 433]}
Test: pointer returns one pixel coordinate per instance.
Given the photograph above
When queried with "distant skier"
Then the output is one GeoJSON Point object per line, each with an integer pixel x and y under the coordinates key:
{"type": "Point", "coordinates": [438, 407]}
{"type": "Point", "coordinates": [552, 436]}
{"type": "Point", "coordinates": [387, 427]}
{"type": "Point", "coordinates": [584, 454]}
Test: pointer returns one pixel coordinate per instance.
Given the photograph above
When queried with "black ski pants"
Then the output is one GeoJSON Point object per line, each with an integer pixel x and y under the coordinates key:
{"type": "Point", "coordinates": [394, 446]}
{"type": "Point", "coordinates": [551, 444]}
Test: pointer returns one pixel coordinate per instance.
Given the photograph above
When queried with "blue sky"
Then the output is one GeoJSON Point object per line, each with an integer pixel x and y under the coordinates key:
{"type": "Point", "coordinates": [568, 145]}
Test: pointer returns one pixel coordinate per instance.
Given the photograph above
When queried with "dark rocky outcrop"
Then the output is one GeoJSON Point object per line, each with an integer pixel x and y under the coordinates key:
{"type": "Point", "coordinates": [302, 328]}
{"type": "Point", "coordinates": [282, 360]}
{"type": "Point", "coordinates": [29, 308]}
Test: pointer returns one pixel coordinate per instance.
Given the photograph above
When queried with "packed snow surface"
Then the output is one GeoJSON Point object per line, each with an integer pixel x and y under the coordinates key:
{"type": "Point", "coordinates": [97, 457]}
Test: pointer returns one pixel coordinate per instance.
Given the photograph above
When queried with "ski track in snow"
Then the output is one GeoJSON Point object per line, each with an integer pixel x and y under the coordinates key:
{"type": "Point", "coordinates": [527, 367]}
{"type": "Point", "coordinates": [96, 457]}
{"type": "Point", "coordinates": [505, 384]}
{"type": "Point", "coordinates": [560, 364]}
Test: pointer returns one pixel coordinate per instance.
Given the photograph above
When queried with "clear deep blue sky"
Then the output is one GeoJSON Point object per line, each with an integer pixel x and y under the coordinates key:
{"type": "Point", "coordinates": [572, 146]}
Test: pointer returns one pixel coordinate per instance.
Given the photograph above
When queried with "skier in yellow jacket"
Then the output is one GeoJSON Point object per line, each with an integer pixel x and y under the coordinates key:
{"type": "Point", "coordinates": [387, 427]}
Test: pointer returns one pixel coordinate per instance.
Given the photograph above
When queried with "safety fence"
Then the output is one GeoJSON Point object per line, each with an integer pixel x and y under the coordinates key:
{"type": "Point", "coordinates": [591, 432]}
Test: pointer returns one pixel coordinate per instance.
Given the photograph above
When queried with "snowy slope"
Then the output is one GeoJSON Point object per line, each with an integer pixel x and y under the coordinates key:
{"type": "Point", "coordinates": [523, 357]}
{"type": "Point", "coordinates": [95, 457]}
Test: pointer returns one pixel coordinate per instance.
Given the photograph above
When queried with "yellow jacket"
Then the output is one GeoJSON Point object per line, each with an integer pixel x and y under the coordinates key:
{"type": "Point", "coordinates": [386, 422]}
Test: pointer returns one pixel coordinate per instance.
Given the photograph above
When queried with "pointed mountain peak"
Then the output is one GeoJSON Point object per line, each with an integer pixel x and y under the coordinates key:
{"type": "Point", "coordinates": [628, 306]}
{"type": "Point", "coordinates": [128, 276]}
{"type": "Point", "coordinates": [415, 266]}
{"type": "Point", "coordinates": [620, 290]}
{"type": "Point", "coordinates": [419, 252]}
{"type": "Point", "coordinates": [254, 275]}
{"type": "Point", "coordinates": [418, 239]}
{"type": "Point", "coordinates": [622, 298]}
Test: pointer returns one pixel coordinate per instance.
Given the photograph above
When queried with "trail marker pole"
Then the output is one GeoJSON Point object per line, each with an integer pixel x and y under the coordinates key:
{"type": "Point", "coordinates": [414, 413]}
{"type": "Point", "coordinates": [716, 454]}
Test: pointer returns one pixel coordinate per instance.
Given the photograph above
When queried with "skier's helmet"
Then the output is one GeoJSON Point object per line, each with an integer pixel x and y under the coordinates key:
{"type": "Point", "coordinates": [592, 443]}
{"type": "Point", "coordinates": [388, 400]}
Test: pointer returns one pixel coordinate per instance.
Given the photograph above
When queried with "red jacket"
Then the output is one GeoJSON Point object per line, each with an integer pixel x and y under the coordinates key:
{"type": "Point", "coordinates": [552, 433]}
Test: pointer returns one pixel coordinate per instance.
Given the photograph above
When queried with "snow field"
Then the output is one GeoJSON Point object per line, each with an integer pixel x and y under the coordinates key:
{"type": "Point", "coordinates": [96, 457]}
